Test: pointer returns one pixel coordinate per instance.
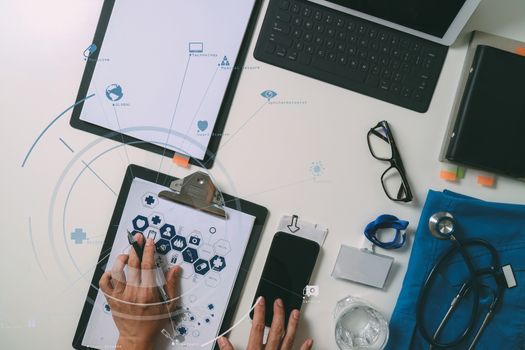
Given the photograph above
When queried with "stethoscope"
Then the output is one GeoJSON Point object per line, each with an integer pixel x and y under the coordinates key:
{"type": "Point", "coordinates": [443, 226]}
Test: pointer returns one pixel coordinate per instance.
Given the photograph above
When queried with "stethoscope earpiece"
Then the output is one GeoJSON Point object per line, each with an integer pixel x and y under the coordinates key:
{"type": "Point", "coordinates": [442, 225]}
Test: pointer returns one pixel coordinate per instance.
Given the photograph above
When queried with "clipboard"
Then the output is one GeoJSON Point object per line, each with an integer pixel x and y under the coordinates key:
{"type": "Point", "coordinates": [92, 53]}
{"type": "Point", "coordinates": [196, 191]}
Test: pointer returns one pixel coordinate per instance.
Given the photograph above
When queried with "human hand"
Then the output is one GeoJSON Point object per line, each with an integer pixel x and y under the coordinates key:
{"type": "Point", "coordinates": [137, 307]}
{"type": "Point", "coordinates": [278, 339]}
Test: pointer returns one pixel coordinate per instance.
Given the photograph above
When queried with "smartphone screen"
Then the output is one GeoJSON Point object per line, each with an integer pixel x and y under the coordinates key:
{"type": "Point", "coordinates": [286, 273]}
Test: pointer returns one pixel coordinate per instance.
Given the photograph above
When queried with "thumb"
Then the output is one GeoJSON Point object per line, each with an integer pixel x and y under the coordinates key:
{"type": "Point", "coordinates": [224, 344]}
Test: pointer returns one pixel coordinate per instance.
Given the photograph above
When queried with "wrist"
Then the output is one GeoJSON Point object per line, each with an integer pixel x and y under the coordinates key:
{"type": "Point", "coordinates": [126, 343]}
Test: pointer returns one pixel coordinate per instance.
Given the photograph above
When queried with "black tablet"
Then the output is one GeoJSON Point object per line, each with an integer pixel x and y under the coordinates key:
{"type": "Point", "coordinates": [165, 72]}
{"type": "Point", "coordinates": [215, 255]}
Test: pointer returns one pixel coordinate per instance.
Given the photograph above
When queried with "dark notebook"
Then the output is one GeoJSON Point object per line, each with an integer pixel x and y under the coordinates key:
{"type": "Point", "coordinates": [489, 133]}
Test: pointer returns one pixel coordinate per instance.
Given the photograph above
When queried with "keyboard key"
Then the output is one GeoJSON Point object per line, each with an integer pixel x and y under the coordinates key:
{"type": "Point", "coordinates": [330, 31]}
{"type": "Point", "coordinates": [270, 47]}
{"type": "Point", "coordinates": [363, 54]}
{"type": "Point", "coordinates": [292, 56]}
{"type": "Point", "coordinates": [339, 70]}
{"type": "Point", "coordinates": [282, 40]}
{"type": "Point", "coordinates": [331, 57]}
{"type": "Point", "coordinates": [354, 64]}
{"type": "Point", "coordinates": [320, 53]}
{"type": "Point", "coordinates": [318, 40]}
{"type": "Point", "coordinates": [309, 25]}
{"type": "Point", "coordinates": [285, 4]}
{"type": "Point", "coordinates": [372, 34]}
{"type": "Point", "coordinates": [329, 44]}
{"type": "Point", "coordinates": [281, 28]}
{"type": "Point", "coordinates": [352, 50]}
{"type": "Point", "coordinates": [319, 28]}
{"type": "Point", "coordinates": [342, 59]}
{"type": "Point", "coordinates": [308, 37]}
{"type": "Point", "coordinates": [341, 47]}
{"type": "Point", "coordinates": [304, 59]}
{"type": "Point", "coordinates": [352, 39]}
{"type": "Point", "coordinates": [350, 26]}
{"type": "Point", "coordinates": [375, 70]}
{"type": "Point", "coordinates": [297, 21]}
{"type": "Point", "coordinates": [318, 15]}
{"type": "Point", "coordinates": [363, 42]}
{"type": "Point", "coordinates": [396, 88]}
{"type": "Point", "coordinates": [296, 33]}
{"type": "Point", "coordinates": [384, 85]}
{"type": "Point", "coordinates": [295, 8]}
{"type": "Point", "coordinates": [307, 11]}
{"type": "Point", "coordinates": [361, 30]}
{"type": "Point", "coordinates": [283, 17]}
{"type": "Point", "coordinates": [328, 19]}
{"type": "Point", "coordinates": [372, 80]}
{"type": "Point", "coordinates": [363, 67]}
{"type": "Point", "coordinates": [383, 36]}
{"type": "Point", "coordinates": [406, 92]}
{"type": "Point", "coordinates": [341, 36]}
{"type": "Point", "coordinates": [340, 23]}
{"type": "Point", "coordinates": [299, 46]}
{"type": "Point", "coordinates": [309, 50]}
{"type": "Point", "coordinates": [280, 51]}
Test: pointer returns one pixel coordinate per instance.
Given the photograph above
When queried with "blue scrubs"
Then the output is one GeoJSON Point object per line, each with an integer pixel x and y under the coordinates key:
{"type": "Point", "coordinates": [502, 225]}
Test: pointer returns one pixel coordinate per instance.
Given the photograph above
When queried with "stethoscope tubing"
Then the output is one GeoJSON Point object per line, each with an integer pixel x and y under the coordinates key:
{"type": "Point", "coordinates": [459, 246]}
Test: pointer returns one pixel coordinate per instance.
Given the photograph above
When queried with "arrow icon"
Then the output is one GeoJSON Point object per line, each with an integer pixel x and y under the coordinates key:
{"type": "Point", "coordinates": [293, 226]}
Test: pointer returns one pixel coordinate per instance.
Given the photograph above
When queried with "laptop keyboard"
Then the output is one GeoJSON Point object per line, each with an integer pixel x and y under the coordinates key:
{"type": "Point", "coordinates": [350, 52]}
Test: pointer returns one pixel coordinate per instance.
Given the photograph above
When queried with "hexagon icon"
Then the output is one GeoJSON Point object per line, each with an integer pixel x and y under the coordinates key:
{"type": "Point", "coordinates": [222, 247]}
{"type": "Point", "coordinates": [156, 219]}
{"type": "Point", "coordinates": [167, 231]}
{"type": "Point", "coordinates": [140, 223]}
{"type": "Point", "coordinates": [194, 240]}
{"type": "Point", "coordinates": [187, 270]}
{"type": "Point", "coordinates": [190, 255]}
{"type": "Point", "coordinates": [179, 243]}
{"type": "Point", "coordinates": [150, 200]}
{"type": "Point", "coordinates": [206, 251]}
{"type": "Point", "coordinates": [173, 258]}
{"type": "Point", "coordinates": [201, 266]}
{"type": "Point", "coordinates": [212, 279]}
{"type": "Point", "coordinates": [163, 246]}
{"type": "Point", "coordinates": [152, 233]}
{"type": "Point", "coordinates": [218, 263]}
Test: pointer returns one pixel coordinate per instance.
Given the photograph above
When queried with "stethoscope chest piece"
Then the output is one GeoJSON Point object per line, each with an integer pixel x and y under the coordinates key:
{"type": "Point", "coordinates": [442, 225]}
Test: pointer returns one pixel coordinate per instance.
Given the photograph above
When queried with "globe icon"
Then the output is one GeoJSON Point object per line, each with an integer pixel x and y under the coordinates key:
{"type": "Point", "coordinates": [114, 92]}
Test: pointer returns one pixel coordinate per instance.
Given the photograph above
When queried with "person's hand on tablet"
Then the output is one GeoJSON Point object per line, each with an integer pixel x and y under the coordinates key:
{"type": "Point", "coordinates": [134, 297]}
{"type": "Point", "coordinates": [278, 338]}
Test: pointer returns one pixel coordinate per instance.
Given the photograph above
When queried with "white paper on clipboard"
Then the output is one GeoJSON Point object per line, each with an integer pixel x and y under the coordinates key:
{"type": "Point", "coordinates": [166, 64]}
{"type": "Point", "coordinates": [219, 243]}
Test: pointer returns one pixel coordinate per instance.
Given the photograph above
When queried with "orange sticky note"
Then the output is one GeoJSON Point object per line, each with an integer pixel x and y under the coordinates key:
{"type": "Point", "coordinates": [487, 181]}
{"type": "Point", "coordinates": [448, 175]}
{"type": "Point", "coordinates": [520, 51]}
{"type": "Point", "coordinates": [181, 160]}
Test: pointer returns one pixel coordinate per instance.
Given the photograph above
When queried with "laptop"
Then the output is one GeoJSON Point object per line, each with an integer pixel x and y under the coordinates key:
{"type": "Point", "coordinates": [391, 50]}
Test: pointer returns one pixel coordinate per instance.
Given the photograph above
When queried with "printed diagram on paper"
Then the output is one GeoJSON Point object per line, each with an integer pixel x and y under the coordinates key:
{"type": "Point", "coordinates": [209, 250]}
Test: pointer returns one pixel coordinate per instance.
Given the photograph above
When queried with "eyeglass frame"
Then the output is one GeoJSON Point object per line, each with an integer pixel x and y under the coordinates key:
{"type": "Point", "coordinates": [395, 160]}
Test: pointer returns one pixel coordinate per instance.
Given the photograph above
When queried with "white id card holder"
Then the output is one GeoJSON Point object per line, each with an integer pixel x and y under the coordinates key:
{"type": "Point", "coordinates": [362, 266]}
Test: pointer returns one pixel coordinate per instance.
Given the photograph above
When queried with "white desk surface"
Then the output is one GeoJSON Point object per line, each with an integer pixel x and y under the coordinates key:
{"type": "Point", "coordinates": [267, 161]}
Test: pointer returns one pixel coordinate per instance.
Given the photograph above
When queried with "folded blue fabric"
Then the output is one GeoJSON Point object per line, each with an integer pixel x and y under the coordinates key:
{"type": "Point", "coordinates": [502, 225]}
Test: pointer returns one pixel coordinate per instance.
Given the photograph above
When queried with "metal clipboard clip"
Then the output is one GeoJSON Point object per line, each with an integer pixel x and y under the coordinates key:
{"type": "Point", "coordinates": [197, 191]}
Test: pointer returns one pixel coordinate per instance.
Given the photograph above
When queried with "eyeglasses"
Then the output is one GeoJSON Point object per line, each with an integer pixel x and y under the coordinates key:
{"type": "Point", "coordinates": [383, 147]}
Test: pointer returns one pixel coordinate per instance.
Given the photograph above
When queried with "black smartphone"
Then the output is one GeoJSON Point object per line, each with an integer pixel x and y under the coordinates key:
{"type": "Point", "coordinates": [286, 273]}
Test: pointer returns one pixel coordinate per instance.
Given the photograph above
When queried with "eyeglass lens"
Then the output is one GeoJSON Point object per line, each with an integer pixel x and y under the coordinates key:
{"type": "Point", "coordinates": [393, 184]}
{"type": "Point", "coordinates": [379, 143]}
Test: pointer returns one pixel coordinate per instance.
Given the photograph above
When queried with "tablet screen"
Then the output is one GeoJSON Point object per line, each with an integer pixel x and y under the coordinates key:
{"type": "Point", "coordinates": [433, 17]}
{"type": "Point", "coordinates": [166, 64]}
